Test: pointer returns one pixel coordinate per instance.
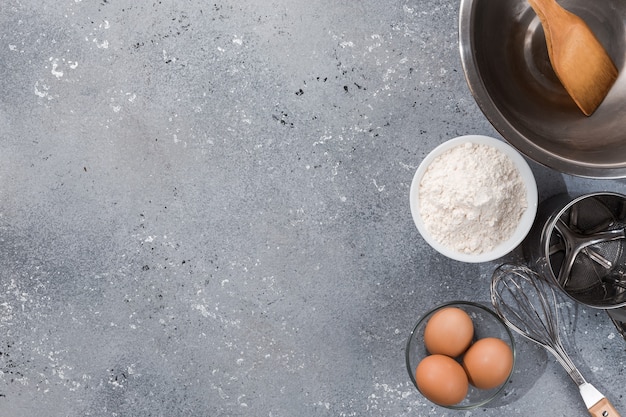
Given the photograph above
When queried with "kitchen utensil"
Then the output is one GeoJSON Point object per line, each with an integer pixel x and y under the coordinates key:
{"type": "Point", "coordinates": [587, 225]}
{"type": "Point", "coordinates": [579, 60]}
{"type": "Point", "coordinates": [575, 242]}
{"type": "Point", "coordinates": [578, 244]}
{"type": "Point", "coordinates": [527, 304]}
{"type": "Point", "coordinates": [509, 74]}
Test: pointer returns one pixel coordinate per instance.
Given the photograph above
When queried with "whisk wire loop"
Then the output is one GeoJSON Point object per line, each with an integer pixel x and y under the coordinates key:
{"type": "Point", "coordinates": [527, 304]}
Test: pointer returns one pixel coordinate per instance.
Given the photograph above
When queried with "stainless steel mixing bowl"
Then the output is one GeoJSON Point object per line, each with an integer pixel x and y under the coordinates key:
{"type": "Point", "coordinates": [508, 71]}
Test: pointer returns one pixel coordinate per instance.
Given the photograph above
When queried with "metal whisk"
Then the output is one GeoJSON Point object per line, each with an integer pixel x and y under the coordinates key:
{"type": "Point", "coordinates": [527, 304]}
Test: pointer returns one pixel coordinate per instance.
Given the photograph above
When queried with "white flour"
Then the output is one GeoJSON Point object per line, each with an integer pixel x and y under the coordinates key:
{"type": "Point", "coordinates": [472, 198]}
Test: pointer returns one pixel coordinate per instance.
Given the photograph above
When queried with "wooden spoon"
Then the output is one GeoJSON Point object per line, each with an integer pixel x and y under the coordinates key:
{"type": "Point", "coordinates": [578, 59]}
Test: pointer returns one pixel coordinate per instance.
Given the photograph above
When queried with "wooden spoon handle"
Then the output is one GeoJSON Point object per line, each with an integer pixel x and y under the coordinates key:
{"type": "Point", "coordinates": [546, 9]}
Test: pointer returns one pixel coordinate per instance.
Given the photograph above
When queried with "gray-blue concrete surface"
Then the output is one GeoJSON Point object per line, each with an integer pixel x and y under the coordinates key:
{"type": "Point", "coordinates": [204, 211]}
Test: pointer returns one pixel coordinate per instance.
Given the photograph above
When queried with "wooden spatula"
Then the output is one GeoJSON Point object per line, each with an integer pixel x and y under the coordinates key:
{"type": "Point", "coordinates": [578, 59]}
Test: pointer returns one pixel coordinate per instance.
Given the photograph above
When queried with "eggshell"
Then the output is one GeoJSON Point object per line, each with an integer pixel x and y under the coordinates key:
{"type": "Point", "coordinates": [441, 379]}
{"type": "Point", "coordinates": [448, 332]}
{"type": "Point", "coordinates": [488, 362]}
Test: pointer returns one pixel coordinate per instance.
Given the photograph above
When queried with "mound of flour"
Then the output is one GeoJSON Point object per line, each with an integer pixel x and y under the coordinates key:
{"type": "Point", "coordinates": [472, 198]}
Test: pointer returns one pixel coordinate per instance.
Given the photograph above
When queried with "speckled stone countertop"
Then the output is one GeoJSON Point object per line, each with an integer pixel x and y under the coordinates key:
{"type": "Point", "coordinates": [204, 211]}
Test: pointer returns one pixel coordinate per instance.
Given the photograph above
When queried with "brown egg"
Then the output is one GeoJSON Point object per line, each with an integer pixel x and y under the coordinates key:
{"type": "Point", "coordinates": [448, 332]}
{"type": "Point", "coordinates": [441, 379]}
{"type": "Point", "coordinates": [488, 362]}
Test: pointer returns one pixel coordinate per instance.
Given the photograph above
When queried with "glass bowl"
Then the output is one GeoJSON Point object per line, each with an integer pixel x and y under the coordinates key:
{"type": "Point", "coordinates": [486, 324]}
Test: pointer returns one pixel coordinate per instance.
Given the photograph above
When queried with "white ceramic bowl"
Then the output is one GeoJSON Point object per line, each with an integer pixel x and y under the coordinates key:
{"type": "Point", "coordinates": [525, 223]}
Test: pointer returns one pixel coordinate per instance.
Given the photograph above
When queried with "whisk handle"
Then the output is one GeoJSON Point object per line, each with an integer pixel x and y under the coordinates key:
{"type": "Point", "coordinates": [603, 408]}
